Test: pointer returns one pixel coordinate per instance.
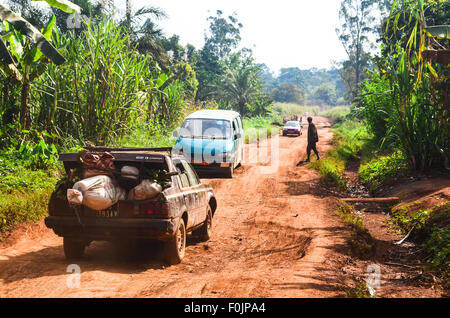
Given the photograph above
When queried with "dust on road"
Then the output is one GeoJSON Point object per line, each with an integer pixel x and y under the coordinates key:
{"type": "Point", "coordinates": [273, 234]}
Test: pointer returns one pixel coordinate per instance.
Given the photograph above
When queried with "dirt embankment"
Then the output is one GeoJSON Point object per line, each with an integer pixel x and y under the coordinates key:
{"type": "Point", "coordinates": [275, 234]}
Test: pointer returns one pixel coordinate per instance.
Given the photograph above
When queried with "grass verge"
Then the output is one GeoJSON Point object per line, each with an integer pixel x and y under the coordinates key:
{"type": "Point", "coordinates": [257, 128]}
{"type": "Point", "coordinates": [359, 290]}
{"type": "Point", "coordinates": [361, 243]}
{"type": "Point", "coordinates": [24, 192]}
{"type": "Point", "coordinates": [431, 229]}
{"type": "Point", "coordinates": [337, 114]}
{"type": "Point", "coordinates": [381, 170]}
{"type": "Point", "coordinates": [349, 141]}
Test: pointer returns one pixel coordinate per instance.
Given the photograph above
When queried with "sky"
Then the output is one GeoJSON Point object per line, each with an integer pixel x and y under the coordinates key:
{"type": "Point", "coordinates": [281, 33]}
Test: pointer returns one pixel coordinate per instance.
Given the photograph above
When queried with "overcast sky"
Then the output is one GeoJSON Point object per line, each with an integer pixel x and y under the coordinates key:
{"type": "Point", "coordinates": [281, 33]}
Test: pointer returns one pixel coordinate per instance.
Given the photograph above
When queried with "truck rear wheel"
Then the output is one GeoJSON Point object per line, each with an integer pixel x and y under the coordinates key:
{"type": "Point", "coordinates": [73, 249]}
{"type": "Point", "coordinates": [175, 248]}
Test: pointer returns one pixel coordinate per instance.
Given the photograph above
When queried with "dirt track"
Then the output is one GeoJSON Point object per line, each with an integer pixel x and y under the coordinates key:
{"type": "Point", "coordinates": [273, 235]}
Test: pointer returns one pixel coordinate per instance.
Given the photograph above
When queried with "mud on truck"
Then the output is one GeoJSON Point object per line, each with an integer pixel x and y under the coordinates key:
{"type": "Point", "coordinates": [116, 194]}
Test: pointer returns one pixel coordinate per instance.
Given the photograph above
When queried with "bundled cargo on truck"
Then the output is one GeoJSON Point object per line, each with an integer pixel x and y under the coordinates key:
{"type": "Point", "coordinates": [94, 164]}
{"type": "Point", "coordinates": [129, 177]}
{"type": "Point", "coordinates": [97, 193]}
{"type": "Point", "coordinates": [145, 190]}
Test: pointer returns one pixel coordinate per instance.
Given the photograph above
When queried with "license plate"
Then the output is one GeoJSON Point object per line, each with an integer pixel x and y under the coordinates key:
{"type": "Point", "coordinates": [110, 213]}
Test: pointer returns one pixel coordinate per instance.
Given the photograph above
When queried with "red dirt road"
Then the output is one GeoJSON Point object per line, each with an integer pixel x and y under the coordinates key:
{"type": "Point", "coordinates": [274, 235]}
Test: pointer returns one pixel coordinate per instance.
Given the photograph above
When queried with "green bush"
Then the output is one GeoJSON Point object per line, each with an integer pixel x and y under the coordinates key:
{"type": "Point", "coordinates": [439, 246]}
{"type": "Point", "coordinates": [24, 191]}
{"type": "Point", "coordinates": [145, 136]}
{"type": "Point", "coordinates": [29, 206]}
{"type": "Point", "coordinates": [378, 171]}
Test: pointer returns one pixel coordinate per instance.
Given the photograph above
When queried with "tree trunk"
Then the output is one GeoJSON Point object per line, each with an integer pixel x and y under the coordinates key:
{"type": "Point", "coordinates": [24, 109]}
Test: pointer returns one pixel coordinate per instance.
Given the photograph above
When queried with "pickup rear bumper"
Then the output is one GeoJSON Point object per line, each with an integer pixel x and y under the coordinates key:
{"type": "Point", "coordinates": [112, 228]}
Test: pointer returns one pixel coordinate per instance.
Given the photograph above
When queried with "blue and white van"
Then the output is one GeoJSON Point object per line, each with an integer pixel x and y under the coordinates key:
{"type": "Point", "coordinates": [212, 140]}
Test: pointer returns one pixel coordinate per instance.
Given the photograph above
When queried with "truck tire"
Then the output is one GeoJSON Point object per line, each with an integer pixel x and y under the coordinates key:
{"type": "Point", "coordinates": [73, 249]}
{"type": "Point", "coordinates": [174, 249]}
{"type": "Point", "coordinates": [204, 233]}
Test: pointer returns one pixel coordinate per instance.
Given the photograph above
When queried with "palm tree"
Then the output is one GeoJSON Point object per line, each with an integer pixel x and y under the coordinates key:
{"type": "Point", "coordinates": [240, 85]}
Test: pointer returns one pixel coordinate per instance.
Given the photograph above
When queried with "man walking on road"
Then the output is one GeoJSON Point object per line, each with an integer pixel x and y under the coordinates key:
{"type": "Point", "coordinates": [313, 137]}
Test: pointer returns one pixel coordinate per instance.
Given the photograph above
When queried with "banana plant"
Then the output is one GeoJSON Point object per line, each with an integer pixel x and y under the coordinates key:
{"type": "Point", "coordinates": [25, 52]}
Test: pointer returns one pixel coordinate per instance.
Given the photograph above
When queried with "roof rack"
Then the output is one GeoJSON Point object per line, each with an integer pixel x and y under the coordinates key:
{"type": "Point", "coordinates": [100, 148]}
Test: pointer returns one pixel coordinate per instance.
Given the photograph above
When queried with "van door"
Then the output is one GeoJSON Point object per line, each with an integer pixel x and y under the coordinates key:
{"type": "Point", "coordinates": [236, 150]}
{"type": "Point", "coordinates": [240, 141]}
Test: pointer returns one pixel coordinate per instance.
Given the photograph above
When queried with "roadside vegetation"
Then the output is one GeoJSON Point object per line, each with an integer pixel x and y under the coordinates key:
{"type": "Point", "coordinates": [429, 228]}
{"type": "Point", "coordinates": [25, 190]}
{"type": "Point", "coordinates": [351, 141]}
{"type": "Point", "coordinates": [361, 243]}
{"type": "Point", "coordinates": [398, 123]}
{"type": "Point", "coordinates": [337, 113]}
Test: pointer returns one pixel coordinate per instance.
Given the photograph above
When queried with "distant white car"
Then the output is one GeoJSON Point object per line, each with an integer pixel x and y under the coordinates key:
{"type": "Point", "coordinates": [292, 128]}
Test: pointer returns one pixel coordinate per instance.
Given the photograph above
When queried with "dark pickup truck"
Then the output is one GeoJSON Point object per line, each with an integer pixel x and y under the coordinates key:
{"type": "Point", "coordinates": [185, 205]}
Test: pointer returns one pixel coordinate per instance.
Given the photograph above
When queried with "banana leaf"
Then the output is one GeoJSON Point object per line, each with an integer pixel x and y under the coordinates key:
{"type": "Point", "coordinates": [38, 38]}
{"type": "Point", "coordinates": [438, 31]}
{"type": "Point", "coordinates": [47, 33]}
{"type": "Point", "coordinates": [64, 5]}
{"type": "Point", "coordinates": [8, 64]}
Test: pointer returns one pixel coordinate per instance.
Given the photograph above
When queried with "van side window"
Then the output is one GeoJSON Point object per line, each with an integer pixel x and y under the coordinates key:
{"type": "Point", "coordinates": [240, 124]}
{"type": "Point", "coordinates": [182, 178]}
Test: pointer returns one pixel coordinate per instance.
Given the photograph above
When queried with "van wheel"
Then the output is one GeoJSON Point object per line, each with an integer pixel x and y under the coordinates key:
{"type": "Point", "coordinates": [204, 233]}
{"type": "Point", "coordinates": [230, 171]}
{"type": "Point", "coordinates": [73, 249]}
{"type": "Point", "coordinates": [175, 248]}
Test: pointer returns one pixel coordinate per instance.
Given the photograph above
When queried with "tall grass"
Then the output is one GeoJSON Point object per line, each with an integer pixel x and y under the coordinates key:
{"type": "Point", "coordinates": [257, 128]}
{"type": "Point", "coordinates": [351, 141]}
{"type": "Point", "coordinates": [381, 169]}
{"type": "Point", "coordinates": [106, 89]}
{"type": "Point", "coordinates": [24, 191]}
{"type": "Point", "coordinates": [337, 114]}
{"type": "Point", "coordinates": [287, 110]}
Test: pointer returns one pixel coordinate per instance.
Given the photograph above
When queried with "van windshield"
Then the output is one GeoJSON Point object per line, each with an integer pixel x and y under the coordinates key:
{"type": "Point", "coordinates": [206, 129]}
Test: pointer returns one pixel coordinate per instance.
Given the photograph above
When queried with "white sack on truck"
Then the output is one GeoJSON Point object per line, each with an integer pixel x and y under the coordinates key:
{"type": "Point", "coordinates": [129, 171]}
{"type": "Point", "coordinates": [145, 190]}
{"type": "Point", "coordinates": [97, 193]}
